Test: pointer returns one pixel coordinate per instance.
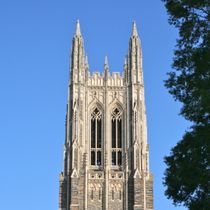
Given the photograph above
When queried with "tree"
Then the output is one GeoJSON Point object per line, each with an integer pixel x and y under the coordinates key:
{"type": "Point", "coordinates": [188, 174]}
{"type": "Point", "coordinates": [187, 177]}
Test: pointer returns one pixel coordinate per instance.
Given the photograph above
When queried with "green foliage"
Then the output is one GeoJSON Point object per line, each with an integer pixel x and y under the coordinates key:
{"type": "Point", "coordinates": [190, 83]}
{"type": "Point", "coordinates": [188, 174]}
{"type": "Point", "coordinates": [187, 181]}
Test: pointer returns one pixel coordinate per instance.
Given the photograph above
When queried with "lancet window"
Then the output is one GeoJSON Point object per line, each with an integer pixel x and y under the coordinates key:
{"type": "Point", "coordinates": [120, 194]}
{"type": "Point", "coordinates": [91, 194]}
{"type": "Point", "coordinates": [96, 137]}
{"type": "Point", "coordinates": [113, 194]}
{"type": "Point", "coordinates": [116, 124]}
{"type": "Point", "coordinates": [99, 194]}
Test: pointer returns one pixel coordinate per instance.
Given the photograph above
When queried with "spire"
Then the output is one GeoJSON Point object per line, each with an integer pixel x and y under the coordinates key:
{"type": "Point", "coordinates": [77, 56]}
{"type": "Point", "coordinates": [134, 30]}
{"type": "Point", "coordinates": [86, 68]}
{"type": "Point", "coordinates": [106, 61]}
{"type": "Point", "coordinates": [78, 31]}
{"type": "Point", "coordinates": [134, 60]}
{"type": "Point", "coordinates": [106, 68]}
{"type": "Point", "coordinates": [125, 68]}
{"type": "Point", "coordinates": [125, 61]}
{"type": "Point", "coordinates": [106, 64]}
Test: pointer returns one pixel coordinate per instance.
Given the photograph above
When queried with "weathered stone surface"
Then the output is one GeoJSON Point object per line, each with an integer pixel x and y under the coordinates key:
{"type": "Point", "coordinates": [149, 193]}
{"type": "Point", "coordinates": [63, 192]}
{"type": "Point", "coordinates": [106, 155]}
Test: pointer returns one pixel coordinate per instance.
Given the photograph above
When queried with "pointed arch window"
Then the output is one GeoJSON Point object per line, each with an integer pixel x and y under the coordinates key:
{"type": "Point", "coordinates": [116, 130]}
{"type": "Point", "coordinates": [96, 137]}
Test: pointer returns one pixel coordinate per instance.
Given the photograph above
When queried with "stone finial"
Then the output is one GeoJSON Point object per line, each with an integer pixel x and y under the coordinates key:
{"type": "Point", "coordinates": [106, 64]}
{"type": "Point", "coordinates": [106, 61]}
{"type": "Point", "coordinates": [134, 30]}
{"type": "Point", "coordinates": [125, 61]}
{"type": "Point", "coordinates": [78, 31]}
{"type": "Point", "coordinates": [106, 68]}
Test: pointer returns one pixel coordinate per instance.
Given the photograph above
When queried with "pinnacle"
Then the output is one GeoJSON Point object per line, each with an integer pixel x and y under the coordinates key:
{"type": "Point", "coordinates": [78, 31]}
{"type": "Point", "coordinates": [86, 61]}
{"type": "Point", "coordinates": [125, 60]}
{"type": "Point", "coordinates": [106, 66]}
{"type": "Point", "coordinates": [134, 30]}
{"type": "Point", "coordinates": [106, 61]}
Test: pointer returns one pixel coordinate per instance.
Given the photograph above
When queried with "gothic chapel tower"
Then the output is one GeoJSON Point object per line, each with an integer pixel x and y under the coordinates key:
{"type": "Point", "coordinates": [106, 156]}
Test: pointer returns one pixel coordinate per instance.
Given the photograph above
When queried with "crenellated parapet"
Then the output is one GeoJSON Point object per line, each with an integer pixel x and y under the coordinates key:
{"type": "Point", "coordinates": [113, 79]}
{"type": "Point", "coordinates": [96, 79]}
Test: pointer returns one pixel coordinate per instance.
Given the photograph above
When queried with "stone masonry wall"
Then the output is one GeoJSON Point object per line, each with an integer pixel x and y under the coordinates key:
{"type": "Point", "coordinates": [149, 192]}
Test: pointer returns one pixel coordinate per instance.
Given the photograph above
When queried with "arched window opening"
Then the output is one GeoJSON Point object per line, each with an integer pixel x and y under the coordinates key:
{"type": "Point", "coordinates": [116, 126]}
{"type": "Point", "coordinates": [96, 137]}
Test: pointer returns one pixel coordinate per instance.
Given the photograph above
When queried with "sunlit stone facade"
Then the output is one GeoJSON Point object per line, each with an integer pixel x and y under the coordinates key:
{"type": "Point", "coordinates": [106, 156]}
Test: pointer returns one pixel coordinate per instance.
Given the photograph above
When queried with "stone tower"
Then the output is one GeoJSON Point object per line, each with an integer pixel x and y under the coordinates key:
{"type": "Point", "coordinates": [106, 156]}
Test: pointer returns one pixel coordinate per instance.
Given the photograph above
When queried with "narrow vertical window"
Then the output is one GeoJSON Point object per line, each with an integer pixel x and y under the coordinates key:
{"type": "Point", "coordinates": [119, 158]}
{"type": "Point", "coordinates": [93, 133]}
{"type": "Point", "coordinates": [93, 157]}
{"type": "Point", "coordinates": [99, 194]}
{"type": "Point", "coordinates": [119, 133]}
{"type": "Point", "coordinates": [120, 195]}
{"type": "Point", "coordinates": [96, 137]}
{"type": "Point", "coordinates": [114, 133]}
{"type": "Point", "coordinates": [112, 194]}
{"type": "Point", "coordinates": [91, 194]}
{"type": "Point", "coordinates": [99, 133]}
{"type": "Point", "coordinates": [98, 158]}
{"type": "Point", "coordinates": [113, 158]}
{"type": "Point", "coordinates": [116, 127]}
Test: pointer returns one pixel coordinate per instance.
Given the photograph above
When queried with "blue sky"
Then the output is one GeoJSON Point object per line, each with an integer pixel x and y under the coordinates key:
{"type": "Point", "coordinates": [35, 43]}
